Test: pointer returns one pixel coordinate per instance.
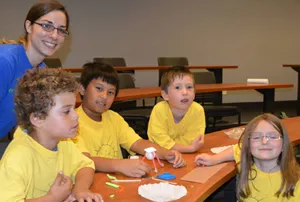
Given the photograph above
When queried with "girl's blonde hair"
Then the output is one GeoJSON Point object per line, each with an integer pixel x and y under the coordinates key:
{"type": "Point", "coordinates": [288, 166]}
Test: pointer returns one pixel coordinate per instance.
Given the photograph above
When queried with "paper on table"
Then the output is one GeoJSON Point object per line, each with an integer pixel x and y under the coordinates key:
{"type": "Point", "coordinates": [235, 133]}
{"type": "Point", "coordinates": [162, 192]}
{"type": "Point", "coordinates": [217, 150]}
{"type": "Point", "coordinates": [257, 80]}
{"type": "Point", "coordinates": [202, 174]}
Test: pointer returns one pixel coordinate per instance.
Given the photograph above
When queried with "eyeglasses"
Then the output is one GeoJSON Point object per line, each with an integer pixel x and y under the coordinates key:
{"type": "Point", "coordinates": [270, 136]}
{"type": "Point", "coordinates": [50, 28]}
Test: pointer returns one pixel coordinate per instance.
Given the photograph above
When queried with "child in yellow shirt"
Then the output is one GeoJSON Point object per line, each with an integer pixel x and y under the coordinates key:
{"type": "Point", "coordinates": [177, 123]}
{"type": "Point", "coordinates": [40, 163]}
{"type": "Point", "coordinates": [102, 131]}
{"type": "Point", "coordinates": [268, 170]}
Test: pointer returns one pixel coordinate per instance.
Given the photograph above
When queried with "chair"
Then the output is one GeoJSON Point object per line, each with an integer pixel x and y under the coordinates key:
{"type": "Point", "coordinates": [213, 112]}
{"type": "Point", "coordinates": [170, 61]}
{"type": "Point", "coordinates": [115, 62]}
{"type": "Point", "coordinates": [53, 62]}
{"type": "Point", "coordinates": [137, 117]}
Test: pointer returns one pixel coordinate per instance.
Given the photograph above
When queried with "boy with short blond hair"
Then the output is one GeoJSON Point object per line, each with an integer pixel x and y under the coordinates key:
{"type": "Point", "coordinates": [102, 131]}
{"type": "Point", "coordinates": [178, 122]}
{"type": "Point", "coordinates": [40, 163]}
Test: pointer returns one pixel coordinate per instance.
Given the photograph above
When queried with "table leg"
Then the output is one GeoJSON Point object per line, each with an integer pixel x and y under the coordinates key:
{"type": "Point", "coordinates": [269, 98]}
{"type": "Point", "coordinates": [219, 79]}
{"type": "Point", "coordinates": [298, 91]}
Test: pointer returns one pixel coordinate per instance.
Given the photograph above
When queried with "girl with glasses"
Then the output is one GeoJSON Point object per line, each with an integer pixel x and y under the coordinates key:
{"type": "Point", "coordinates": [267, 168]}
{"type": "Point", "coordinates": [46, 27]}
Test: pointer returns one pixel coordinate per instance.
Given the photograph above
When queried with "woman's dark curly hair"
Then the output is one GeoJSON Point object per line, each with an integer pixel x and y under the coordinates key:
{"type": "Point", "coordinates": [36, 90]}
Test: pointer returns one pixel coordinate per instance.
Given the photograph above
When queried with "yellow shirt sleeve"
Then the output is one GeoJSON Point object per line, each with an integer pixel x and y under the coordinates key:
{"type": "Point", "coordinates": [77, 159]}
{"type": "Point", "coordinates": [14, 177]}
{"type": "Point", "coordinates": [237, 153]}
{"type": "Point", "coordinates": [127, 136]}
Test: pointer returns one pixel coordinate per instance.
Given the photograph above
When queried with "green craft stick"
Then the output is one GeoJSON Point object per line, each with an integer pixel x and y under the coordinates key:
{"type": "Point", "coordinates": [112, 185]}
{"type": "Point", "coordinates": [112, 196]}
{"type": "Point", "coordinates": [111, 177]}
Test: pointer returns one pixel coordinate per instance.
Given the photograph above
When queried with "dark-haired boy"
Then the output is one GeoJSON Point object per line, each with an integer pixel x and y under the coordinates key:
{"type": "Point", "coordinates": [102, 131]}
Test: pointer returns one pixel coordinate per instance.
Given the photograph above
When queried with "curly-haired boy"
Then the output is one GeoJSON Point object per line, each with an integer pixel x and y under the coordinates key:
{"type": "Point", "coordinates": [41, 162]}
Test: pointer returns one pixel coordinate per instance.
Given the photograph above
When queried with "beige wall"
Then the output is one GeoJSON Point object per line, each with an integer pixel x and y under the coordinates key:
{"type": "Point", "coordinates": [257, 35]}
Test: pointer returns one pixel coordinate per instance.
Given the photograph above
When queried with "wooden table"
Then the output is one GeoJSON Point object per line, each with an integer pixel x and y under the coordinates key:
{"type": "Point", "coordinates": [267, 90]}
{"type": "Point", "coordinates": [216, 69]}
{"type": "Point", "coordinates": [196, 191]}
{"type": "Point", "coordinates": [296, 67]}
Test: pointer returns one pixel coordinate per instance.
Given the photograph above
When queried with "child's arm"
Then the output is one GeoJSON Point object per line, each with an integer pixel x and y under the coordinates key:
{"type": "Point", "coordinates": [207, 159]}
{"type": "Point", "coordinates": [83, 169]}
{"type": "Point", "coordinates": [129, 167]}
{"type": "Point", "coordinates": [171, 156]}
{"type": "Point", "coordinates": [84, 179]}
{"type": "Point", "coordinates": [197, 143]}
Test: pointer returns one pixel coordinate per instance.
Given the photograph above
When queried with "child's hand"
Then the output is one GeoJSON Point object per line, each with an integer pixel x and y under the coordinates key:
{"type": "Point", "coordinates": [205, 159]}
{"type": "Point", "coordinates": [134, 168]}
{"type": "Point", "coordinates": [70, 198]}
{"type": "Point", "coordinates": [88, 196]}
{"type": "Point", "coordinates": [197, 143]}
{"type": "Point", "coordinates": [61, 188]}
{"type": "Point", "coordinates": [175, 157]}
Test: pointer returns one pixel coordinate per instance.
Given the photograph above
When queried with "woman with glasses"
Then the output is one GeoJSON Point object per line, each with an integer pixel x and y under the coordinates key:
{"type": "Point", "coordinates": [267, 168]}
{"type": "Point", "coordinates": [46, 27]}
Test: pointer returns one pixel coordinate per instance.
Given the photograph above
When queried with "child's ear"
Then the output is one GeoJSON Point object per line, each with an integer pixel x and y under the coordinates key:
{"type": "Point", "coordinates": [35, 120]}
{"type": "Point", "coordinates": [164, 95]}
{"type": "Point", "coordinates": [81, 90]}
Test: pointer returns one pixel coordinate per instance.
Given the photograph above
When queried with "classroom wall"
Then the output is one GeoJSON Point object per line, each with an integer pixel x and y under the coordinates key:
{"type": "Point", "coordinates": [258, 36]}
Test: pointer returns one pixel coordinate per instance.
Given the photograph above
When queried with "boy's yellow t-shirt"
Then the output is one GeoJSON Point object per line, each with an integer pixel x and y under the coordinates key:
{"type": "Point", "coordinates": [103, 139]}
{"type": "Point", "coordinates": [265, 185]}
{"type": "Point", "coordinates": [165, 132]}
{"type": "Point", "coordinates": [28, 170]}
